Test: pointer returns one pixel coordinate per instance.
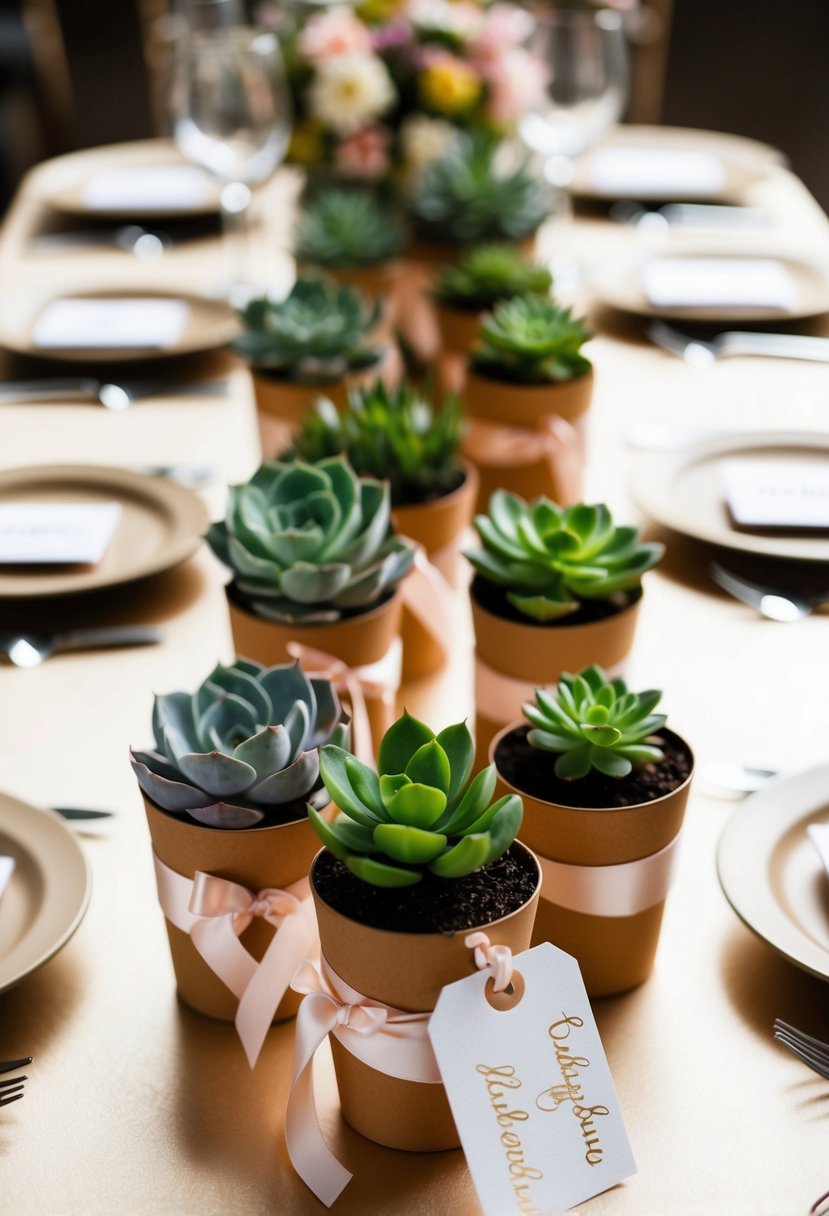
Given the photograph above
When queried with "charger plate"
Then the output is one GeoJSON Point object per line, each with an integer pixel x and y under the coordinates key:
{"type": "Point", "coordinates": [49, 890]}
{"type": "Point", "coordinates": [771, 872]}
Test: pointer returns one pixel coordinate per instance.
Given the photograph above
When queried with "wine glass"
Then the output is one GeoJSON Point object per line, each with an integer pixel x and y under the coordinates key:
{"type": "Point", "coordinates": [231, 111]}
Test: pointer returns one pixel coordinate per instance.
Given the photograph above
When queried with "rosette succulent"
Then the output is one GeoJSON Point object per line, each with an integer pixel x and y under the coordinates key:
{"type": "Point", "coordinates": [531, 340]}
{"type": "Point", "coordinates": [343, 228]}
{"type": "Point", "coordinates": [488, 274]}
{"type": "Point", "coordinates": [595, 723]}
{"type": "Point", "coordinates": [419, 812]}
{"type": "Point", "coordinates": [308, 544]}
{"type": "Point", "coordinates": [243, 747]}
{"type": "Point", "coordinates": [550, 558]}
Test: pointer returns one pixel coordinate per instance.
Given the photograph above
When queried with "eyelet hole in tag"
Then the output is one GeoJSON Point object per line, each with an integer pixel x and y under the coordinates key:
{"type": "Point", "coordinates": [511, 995]}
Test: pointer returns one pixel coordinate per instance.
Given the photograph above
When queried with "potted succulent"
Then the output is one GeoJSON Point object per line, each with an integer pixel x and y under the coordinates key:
{"type": "Point", "coordinates": [604, 784]}
{"type": "Point", "coordinates": [419, 857]}
{"type": "Point", "coordinates": [315, 560]}
{"type": "Point", "coordinates": [352, 236]}
{"type": "Point", "coordinates": [555, 589]}
{"type": "Point", "coordinates": [314, 341]}
{"type": "Point", "coordinates": [226, 789]}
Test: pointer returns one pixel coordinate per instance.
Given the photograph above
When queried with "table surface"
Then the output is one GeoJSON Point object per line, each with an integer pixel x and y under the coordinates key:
{"type": "Point", "coordinates": [137, 1105]}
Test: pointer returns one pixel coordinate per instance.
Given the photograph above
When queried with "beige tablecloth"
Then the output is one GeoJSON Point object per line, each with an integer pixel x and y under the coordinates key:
{"type": "Point", "coordinates": [136, 1105]}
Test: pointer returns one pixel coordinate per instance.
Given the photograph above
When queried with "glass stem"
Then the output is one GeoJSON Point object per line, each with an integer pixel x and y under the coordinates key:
{"type": "Point", "coordinates": [235, 201]}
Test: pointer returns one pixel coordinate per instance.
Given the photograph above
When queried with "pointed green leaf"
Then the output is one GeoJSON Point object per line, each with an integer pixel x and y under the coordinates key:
{"type": "Point", "coordinates": [380, 875]}
{"type": "Point", "coordinates": [364, 782]}
{"type": "Point", "coordinates": [400, 743]}
{"type": "Point", "coordinates": [338, 784]}
{"type": "Point", "coordinates": [390, 783]}
{"type": "Point", "coordinates": [468, 855]}
{"type": "Point", "coordinates": [411, 845]}
{"type": "Point", "coordinates": [328, 834]}
{"type": "Point", "coordinates": [268, 752]}
{"type": "Point", "coordinates": [458, 744]}
{"type": "Point", "coordinates": [473, 804]}
{"type": "Point", "coordinates": [505, 826]}
{"type": "Point", "coordinates": [430, 766]}
{"type": "Point", "coordinates": [419, 806]}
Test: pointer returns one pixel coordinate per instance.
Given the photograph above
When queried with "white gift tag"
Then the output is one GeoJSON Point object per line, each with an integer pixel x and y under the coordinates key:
{"type": "Point", "coordinates": [656, 172]}
{"type": "Point", "coordinates": [777, 493]}
{"type": "Point", "coordinates": [719, 282]}
{"type": "Point", "coordinates": [145, 324]}
{"type": "Point", "coordinates": [47, 532]}
{"type": "Point", "coordinates": [168, 187]}
{"type": "Point", "coordinates": [819, 836]}
{"type": "Point", "coordinates": [530, 1089]}
{"type": "Point", "coordinates": [6, 871]}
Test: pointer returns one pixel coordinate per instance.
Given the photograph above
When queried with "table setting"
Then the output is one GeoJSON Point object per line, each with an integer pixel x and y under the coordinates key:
{"type": "Point", "coordinates": [413, 550]}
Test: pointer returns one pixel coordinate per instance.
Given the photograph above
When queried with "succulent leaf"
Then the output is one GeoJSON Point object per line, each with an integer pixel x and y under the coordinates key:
{"type": "Point", "coordinates": [345, 228]}
{"type": "Point", "coordinates": [488, 274]}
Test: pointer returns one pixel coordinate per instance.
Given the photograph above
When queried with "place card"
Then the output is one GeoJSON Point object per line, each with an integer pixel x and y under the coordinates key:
{"type": "Point", "coordinates": [51, 533]}
{"type": "Point", "coordinates": [720, 283]}
{"type": "Point", "coordinates": [143, 324]}
{"type": "Point", "coordinates": [777, 493]}
{"type": "Point", "coordinates": [819, 836]}
{"type": "Point", "coordinates": [529, 1087]}
{"type": "Point", "coordinates": [656, 173]}
{"type": "Point", "coordinates": [6, 871]}
{"type": "Point", "coordinates": [154, 188]}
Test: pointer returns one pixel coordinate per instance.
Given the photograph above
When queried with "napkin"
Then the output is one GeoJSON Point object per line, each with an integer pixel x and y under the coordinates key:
{"type": "Point", "coordinates": [122, 323]}
{"type": "Point", "coordinates": [719, 282]}
{"type": "Point", "coordinates": [777, 493]}
{"type": "Point", "coordinates": [158, 187]}
{"type": "Point", "coordinates": [50, 532]}
{"type": "Point", "coordinates": [656, 173]}
{"type": "Point", "coordinates": [6, 871]}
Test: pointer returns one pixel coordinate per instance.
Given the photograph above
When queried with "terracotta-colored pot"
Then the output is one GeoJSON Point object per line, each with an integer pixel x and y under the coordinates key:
{"type": "Point", "coordinates": [406, 971]}
{"type": "Point", "coordinates": [526, 404]}
{"type": "Point", "coordinates": [615, 953]}
{"type": "Point", "coordinates": [281, 404]}
{"type": "Point", "coordinates": [459, 329]}
{"type": "Point", "coordinates": [544, 462]}
{"type": "Point", "coordinates": [376, 282]}
{"type": "Point", "coordinates": [255, 857]}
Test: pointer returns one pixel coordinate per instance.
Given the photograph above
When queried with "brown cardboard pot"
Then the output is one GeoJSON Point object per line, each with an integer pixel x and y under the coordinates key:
{"type": "Point", "coordinates": [519, 460]}
{"type": "Point", "coordinates": [256, 858]}
{"type": "Point", "coordinates": [406, 971]}
{"type": "Point", "coordinates": [282, 404]}
{"type": "Point", "coordinates": [526, 404]}
{"type": "Point", "coordinates": [459, 328]}
{"type": "Point", "coordinates": [615, 953]}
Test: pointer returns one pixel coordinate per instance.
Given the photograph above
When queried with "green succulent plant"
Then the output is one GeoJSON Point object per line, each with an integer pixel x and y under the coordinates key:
{"type": "Point", "coordinates": [550, 558]}
{"type": "Point", "coordinates": [595, 723]}
{"type": "Point", "coordinates": [392, 433]}
{"type": "Point", "coordinates": [488, 274]}
{"type": "Point", "coordinates": [467, 198]}
{"type": "Point", "coordinates": [317, 333]}
{"type": "Point", "coordinates": [343, 228]}
{"type": "Point", "coordinates": [308, 544]}
{"type": "Point", "coordinates": [419, 812]}
{"type": "Point", "coordinates": [242, 747]}
{"type": "Point", "coordinates": [531, 340]}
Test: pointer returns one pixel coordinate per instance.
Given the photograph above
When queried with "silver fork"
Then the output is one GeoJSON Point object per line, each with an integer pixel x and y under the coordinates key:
{"type": "Point", "coordinates": [810, 1050]}
{"type": "Point", "coordinates": [11, 1089]}
{"type": "Point", "coordinates": [774, 603]}
{"type": "Point", "coordinates": [110, 395]}
{"type": "Point", "coordinates": [32, 649]}
{"type": "Point", "coordinates": [735, 342]}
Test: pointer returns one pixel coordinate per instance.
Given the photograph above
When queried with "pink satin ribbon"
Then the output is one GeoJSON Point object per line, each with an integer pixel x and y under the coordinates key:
{"type": "Point", "coordinates": [214, 912]}
{"type": "Point", "coordinates": [621, 890]}
{"type": "Point", "coordinates": [428, 597]}
{"type": "Point", "coordinates": [495, 959]}
{"type": "Point", "coordinates": [554, 442]}
{"type": "Point", "coordinates": [500, 697]}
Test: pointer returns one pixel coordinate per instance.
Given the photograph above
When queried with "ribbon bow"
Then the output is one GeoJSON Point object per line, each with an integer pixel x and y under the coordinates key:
{"type": "Point", "coordinates": [496, 959]}
{"type": "Point", "coordinates": [214, 912]}
{"type": "Point", "coordinates": [554, 443]}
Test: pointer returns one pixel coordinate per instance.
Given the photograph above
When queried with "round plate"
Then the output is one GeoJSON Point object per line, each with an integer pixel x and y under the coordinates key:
{"type": "Point", "coordinates": [771, 872]}
{"type": "Point", "coordinates": [161, 524]}
{"type": "Point", "coordinates": [620, 284]}
{"type": "Point", "coordinates": [210, 324]}
{"type": "Point", "coordinates": [683, 491]}
{"type": "Point", "coordinates": [743, 161]}
{"type": "Point", "coordinates": [49, 890]}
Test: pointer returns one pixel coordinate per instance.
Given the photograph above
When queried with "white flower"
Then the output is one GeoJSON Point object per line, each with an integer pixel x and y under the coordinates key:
{"type": "Point", "coordinates": [350, 91]}
{"type": "Point", "coordinates": [424, 140]}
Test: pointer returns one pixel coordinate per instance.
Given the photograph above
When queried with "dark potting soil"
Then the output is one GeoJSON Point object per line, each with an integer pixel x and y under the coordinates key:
{"type": "Point", "coordinates": [530, 771]}
{"type": "Point", "coordinates": [494, 600]}
{"type": "Point", "coordinates": [416, 496]}
{"type": "Point", "coordinates": [434, 905]}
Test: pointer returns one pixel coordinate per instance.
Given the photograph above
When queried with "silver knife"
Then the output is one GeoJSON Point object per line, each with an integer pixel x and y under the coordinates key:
{"type": "Point", "coordinates": [79, 812]}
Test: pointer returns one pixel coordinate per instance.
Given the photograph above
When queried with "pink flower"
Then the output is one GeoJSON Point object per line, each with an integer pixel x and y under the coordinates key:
{"type": "Point", "coordinates": [505, 26]}
{"type": "Point", "coordinates": [337, 32]}
{"type": "Point", "coordinates": [364, 154]}
{"type": "Point", "coordinates": [516, 82]}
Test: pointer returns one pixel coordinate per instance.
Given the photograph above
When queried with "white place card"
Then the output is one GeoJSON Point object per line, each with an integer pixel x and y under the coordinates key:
{"type": "Point", "coordinates": [656, 173]}
{"type": "Point", "coordinates": [530, 1089]}
{"type": "Point", "coordinates": [145, 324]}
{"type": "Point", "coordinates": [155, 188]}
{"type": "Point", "coordinates": [777, 493]}
{"type": "Point", "coordinates": [819, 836]}
{"type": "Point", "coordinates": [52, 533]}
{"type": "Point", "coordinates": [719, 282]}
{"type": "Point", "coordinates": [6, 871]}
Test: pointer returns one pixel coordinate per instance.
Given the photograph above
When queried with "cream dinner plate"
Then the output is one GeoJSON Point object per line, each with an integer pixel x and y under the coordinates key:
{"type": "Point", "coordinates": [48, 894]}
{"type": "Point", "coordinates": [683, 491]}
{"type": "Point", "coordinates": [161, 524]}
{"type": "Point", "coordinates": [771, 872]}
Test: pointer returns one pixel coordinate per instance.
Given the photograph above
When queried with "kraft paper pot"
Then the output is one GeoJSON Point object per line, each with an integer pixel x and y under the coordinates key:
{"type": "Point", "coordinates": [459, 329]}
{"type": "Point", "coordinates": [526, 404]}
{"type": "Point", "coordinates": [282, 404]}
{"type": "Point", "coordinates": [406, 971]}
{"type": "Point", "coordinates": [256, 858]}
{"type": "Point", "coordinates": [615, 953]}
{"type": "Point", "coordinates": [533, 462]}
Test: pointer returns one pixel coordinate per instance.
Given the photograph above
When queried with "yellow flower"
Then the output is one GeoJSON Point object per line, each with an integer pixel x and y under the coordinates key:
{"type": "Point", "coordinates": [449, 85]}
{"type": "Point", "coordinates": [305, 147]}
{"type": "Point", "coordinates": [375, 12]}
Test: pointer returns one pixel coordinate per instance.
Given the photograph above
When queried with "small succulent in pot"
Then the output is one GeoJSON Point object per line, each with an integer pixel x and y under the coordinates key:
{"type": "Point", "coordinates": [419, 812]}
{"type": "Point", "coordinates": [549, 559]}
{"type": "Point", "coordinates": [342, 228]}
{"type": "Point", "coordinates": [531, 340]}
{"type": "Point", "coordinates": [389, 433]}
{"type": "Point", "coordinates": [317, 333]}
{"type": "Point", "coordinates": [243, 748]}
{"type": "Point", "coordinates": [309, 544]}
{"type": "Point", "coordinates": [591, 722]}
{"type": "Point", "coordinates": [487, 275]}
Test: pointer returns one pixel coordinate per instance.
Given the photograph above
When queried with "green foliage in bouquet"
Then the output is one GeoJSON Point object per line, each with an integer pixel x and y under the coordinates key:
{"type": "Point", "coordinates": [595, 723]}
{"type": "Point", "coordinates": [308, 543]}
{"type": "Point", "coordinates": [242, 747]}
{"type": "Point", "coordinates": [531, 340]}
{"type": "Point", "coordinates": [550, 558]}
{"type": "Point", "coordinates": [344, 228]}
{"type": "Point", "coordinates": [487, 275]}
{"type": "Point", "coordinates": [419, 811]}
{"type": "Point", "coordinates": [466, 198]}
{"type": "Point", "coordinates": [388, 433]}
{"type": "Point", "coordinates": [317, 333]}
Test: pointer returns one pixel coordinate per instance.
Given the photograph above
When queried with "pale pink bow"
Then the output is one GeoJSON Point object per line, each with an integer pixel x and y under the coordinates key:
{"type": "Point", "coordinates": [553, 443]}
{"type": "Point", "coordinates": [496, 959]}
